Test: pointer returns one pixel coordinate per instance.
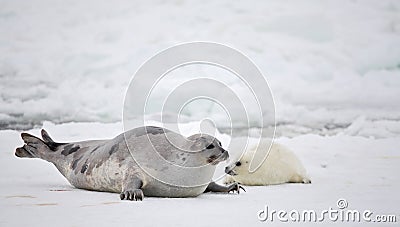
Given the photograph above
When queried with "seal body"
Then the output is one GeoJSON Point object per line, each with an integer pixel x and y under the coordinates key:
{"type": "Point", "coordinates": [108, 165]}
{"type": "Point", "coordinates": [280, 166]}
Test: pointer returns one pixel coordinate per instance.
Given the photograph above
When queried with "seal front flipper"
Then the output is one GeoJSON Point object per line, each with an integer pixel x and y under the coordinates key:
{"type": "Point", "coordinates": [131, 188]}
{"type": "Point", "coordinates": [214, 187]}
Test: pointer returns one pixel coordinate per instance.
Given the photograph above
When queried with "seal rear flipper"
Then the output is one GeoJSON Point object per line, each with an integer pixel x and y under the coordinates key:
{"type": "Point", "coordinates": [31, 146]}
{"type": "Point", "coordinates": [49, 141]}
{"type": "Point", "coordinates": [46, 137]}
{"type": "Point", "coordinates": [34, 147]}
{"type": "Point", "coordinates": [21, 152]}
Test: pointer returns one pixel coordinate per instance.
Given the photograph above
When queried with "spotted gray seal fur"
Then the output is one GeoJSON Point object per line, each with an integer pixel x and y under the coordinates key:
{"type": "Point", "coordinates": [108, 165]}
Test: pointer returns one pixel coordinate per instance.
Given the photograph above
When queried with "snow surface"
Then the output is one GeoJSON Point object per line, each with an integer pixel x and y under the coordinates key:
{"type": "Point", "coordinates": [333, 67]}
{"type": "Point", "coordinates": [362, 170]}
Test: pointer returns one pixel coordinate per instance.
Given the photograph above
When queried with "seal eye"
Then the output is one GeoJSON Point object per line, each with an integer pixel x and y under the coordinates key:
{"type": "Point", "coordinates": [238, 163]}
{"type": "Point", "coordinates": [211, 146]}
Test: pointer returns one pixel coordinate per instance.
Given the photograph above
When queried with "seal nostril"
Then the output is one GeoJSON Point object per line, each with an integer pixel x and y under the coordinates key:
{"type": "Point", "coordinates": [238, 163]}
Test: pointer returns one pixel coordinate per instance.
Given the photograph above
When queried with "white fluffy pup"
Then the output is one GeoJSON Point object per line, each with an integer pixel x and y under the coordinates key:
{"type": "Point", "coordinates": [280, 166]}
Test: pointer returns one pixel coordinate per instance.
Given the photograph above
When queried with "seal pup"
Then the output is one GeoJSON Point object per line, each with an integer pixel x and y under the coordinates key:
{"type": "Point", "coordinates": [280, 166]}
{"type": "Point", "coordinates": [108, 165]}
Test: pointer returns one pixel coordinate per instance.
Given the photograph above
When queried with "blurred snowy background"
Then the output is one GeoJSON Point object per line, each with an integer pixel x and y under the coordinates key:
{"type": "Point", "coordinates": [333, 66]}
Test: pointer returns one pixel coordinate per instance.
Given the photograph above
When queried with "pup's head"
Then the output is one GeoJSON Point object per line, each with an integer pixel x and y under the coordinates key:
{"type": "Point", "coordinates": [239, 167]}
{"type": "Point", "coordinates": [253, 156]}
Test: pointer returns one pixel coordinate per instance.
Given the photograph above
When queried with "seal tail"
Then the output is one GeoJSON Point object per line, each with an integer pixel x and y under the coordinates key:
{"type": "Point", "coordinates": [35, 147]}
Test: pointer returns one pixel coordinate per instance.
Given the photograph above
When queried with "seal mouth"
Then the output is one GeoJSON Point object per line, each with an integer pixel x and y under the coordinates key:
{"type": "Point", "coordinates": [215, 159]}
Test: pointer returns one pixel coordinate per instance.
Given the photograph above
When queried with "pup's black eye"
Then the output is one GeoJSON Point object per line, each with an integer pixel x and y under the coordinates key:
{"type": "Point", "coordinates": [211, 146]}
{"type": "Point", "coordinates": [238, 163]}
